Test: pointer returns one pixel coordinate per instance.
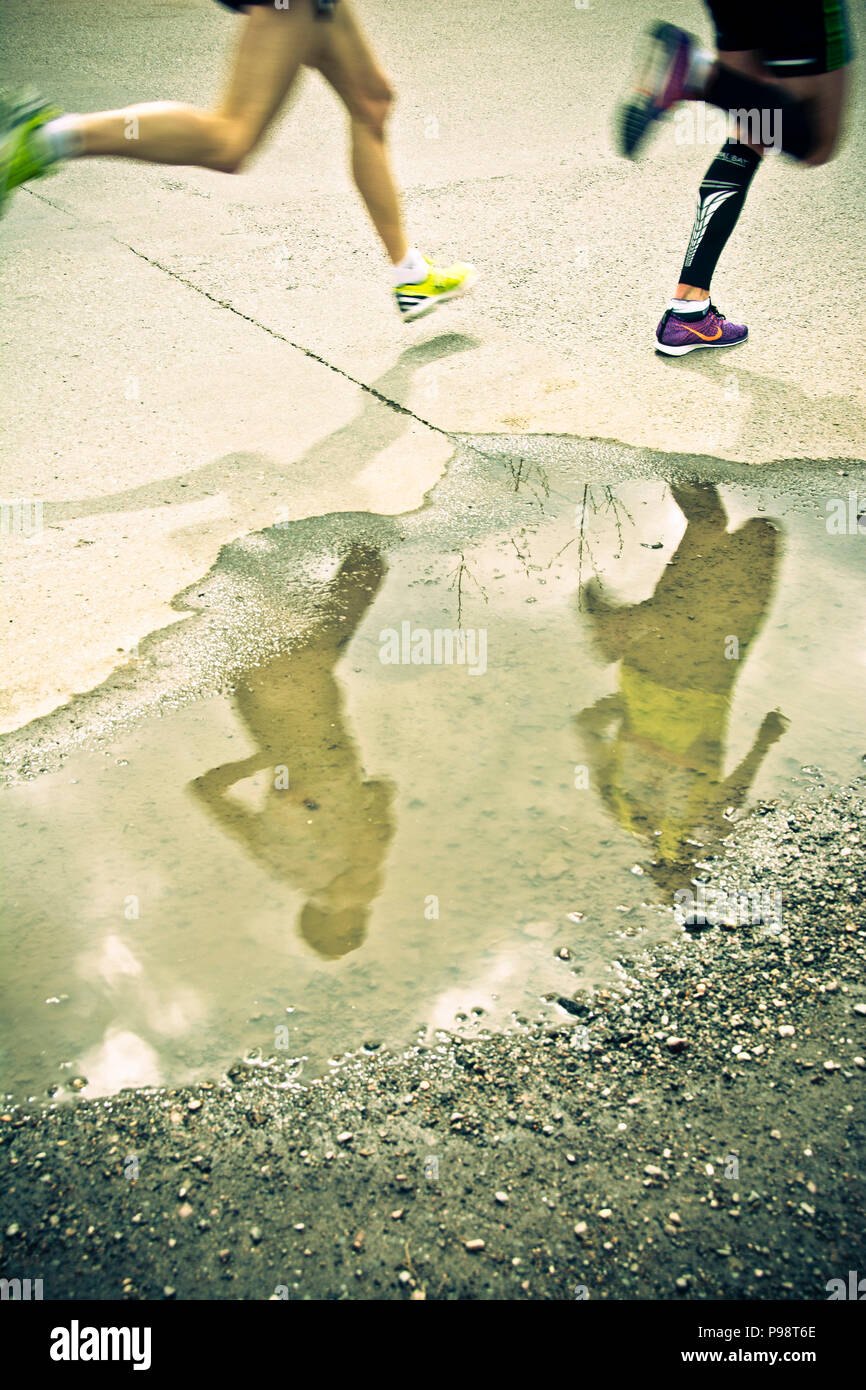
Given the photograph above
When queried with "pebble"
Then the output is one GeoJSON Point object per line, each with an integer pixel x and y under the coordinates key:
{"type": "Point", "coordinates": [787, 1030]}
{"type": "Point", "coordinates": [474, 1246]}
{"type": "Point", "coordinates": [501, 1198]}
{"type": "Point", "coordinates": [194, 1105]}
{"type": "Point", "coordinates": [346, 1137]}
{"type": "Point", "coordinates": [581, 1228]}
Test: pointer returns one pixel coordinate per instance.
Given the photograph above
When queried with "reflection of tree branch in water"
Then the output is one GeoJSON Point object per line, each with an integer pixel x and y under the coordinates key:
{"type": "Point", "coordinates": [524, 559]}
{"type": "Point", "coordinates": [553, 559]}
{"type": "Point", "coordinates": [614, 504]}
{"type": "Point", "coordinates": [523, 473]}
{"type": "Point", "coordinates": [610, 502]}
{"type": "Point", "coordinates": [456, 577]}
{"type": "Point", "coordinates": [581, 547]}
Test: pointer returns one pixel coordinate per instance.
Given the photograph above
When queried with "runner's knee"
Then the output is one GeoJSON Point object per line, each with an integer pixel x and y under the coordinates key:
{"type": "Point", "coordinates": [372, 106]}
{"type": "Point", "coordinates": [233, 143]}
{"type": "Point", "coordinates": [822, 153]}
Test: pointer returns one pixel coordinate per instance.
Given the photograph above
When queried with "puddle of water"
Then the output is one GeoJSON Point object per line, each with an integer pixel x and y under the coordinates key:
{"type": "Point", "coordinates": [363, 840]}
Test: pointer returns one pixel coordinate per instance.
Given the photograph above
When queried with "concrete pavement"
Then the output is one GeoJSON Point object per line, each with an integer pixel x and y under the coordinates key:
{"type": "Point", "coordinates": [184, 345]}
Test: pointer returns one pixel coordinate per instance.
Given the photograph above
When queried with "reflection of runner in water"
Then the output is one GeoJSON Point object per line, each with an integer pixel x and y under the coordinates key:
{"type": "Point", "coordinates": [661, 772]}
{"type": "Point", "coordinates": [329, 830]}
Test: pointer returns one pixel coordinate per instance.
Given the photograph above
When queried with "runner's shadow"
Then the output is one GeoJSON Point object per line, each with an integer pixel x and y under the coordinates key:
{"type": "Point", "coordinates": [248, 482]}
{"type": "Point", "coordinates": [769, 400]}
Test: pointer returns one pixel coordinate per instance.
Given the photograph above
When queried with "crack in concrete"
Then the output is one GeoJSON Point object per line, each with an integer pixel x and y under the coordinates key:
{"type": "Point", "coordinates": [272, 332]}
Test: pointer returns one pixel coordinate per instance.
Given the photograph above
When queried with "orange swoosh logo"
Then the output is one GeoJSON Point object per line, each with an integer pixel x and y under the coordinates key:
{"type": "Point", "coordinates": [707, 337]}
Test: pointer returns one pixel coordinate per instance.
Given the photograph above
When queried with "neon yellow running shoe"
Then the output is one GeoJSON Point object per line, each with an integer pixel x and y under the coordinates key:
{"type": "Point", "coordinates": [20, 161]}
{"type": "Point", "coordinates": [441, 284]}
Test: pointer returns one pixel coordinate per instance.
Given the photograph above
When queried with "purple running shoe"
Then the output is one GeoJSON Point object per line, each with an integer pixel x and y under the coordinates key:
{"type": "Point", "coordinates": [676, 335]}
{"type": "Point", "coordinates": [661, 69]}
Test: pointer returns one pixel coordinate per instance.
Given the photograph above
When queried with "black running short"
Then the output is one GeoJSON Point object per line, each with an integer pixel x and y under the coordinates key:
{"type": "Point", "coordinates": [795, 38]}
{"type": "Point", "coordinates": [324, 8]}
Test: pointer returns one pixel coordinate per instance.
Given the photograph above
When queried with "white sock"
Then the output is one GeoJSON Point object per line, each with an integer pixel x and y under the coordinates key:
{"type": "Point", "coordinates": [691, 306]}
{"type": "Point", "coordinates": [699, 70]}
{"type": "Point", "coordinates": [412, 269]}
{"type": "Point", "coordinates": [60, 139]}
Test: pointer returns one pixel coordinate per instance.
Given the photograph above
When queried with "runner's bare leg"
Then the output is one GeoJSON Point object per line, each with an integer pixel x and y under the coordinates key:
{"type": "Point", "coordinates": [346, 61]}
{"type": "Point", "coordinates": [273, 46]}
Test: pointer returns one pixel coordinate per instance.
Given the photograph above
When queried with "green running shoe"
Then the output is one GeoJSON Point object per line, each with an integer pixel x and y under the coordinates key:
{"type": "Point", "coordinates": [440, 285]}
{"type": "Point", "coordinates": [19, 160]}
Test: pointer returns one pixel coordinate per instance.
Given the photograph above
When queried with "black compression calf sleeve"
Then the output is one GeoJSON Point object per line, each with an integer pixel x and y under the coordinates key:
{"type": "Point", "coordinates": [720, 201]}
{"type": "Point", "coordinates": [773, 116]}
